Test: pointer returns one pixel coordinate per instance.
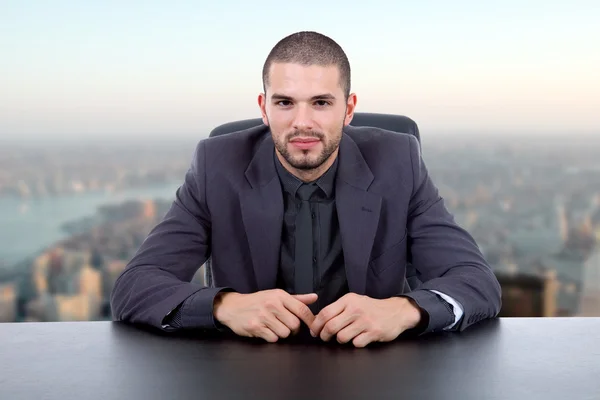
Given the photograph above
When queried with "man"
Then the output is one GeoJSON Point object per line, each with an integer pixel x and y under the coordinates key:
{"type": "Point", "coordinates": [310, 224]}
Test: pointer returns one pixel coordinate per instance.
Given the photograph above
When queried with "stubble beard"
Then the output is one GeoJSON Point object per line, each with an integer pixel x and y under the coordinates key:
{"type": "Point", "coordinates": [304, 162]}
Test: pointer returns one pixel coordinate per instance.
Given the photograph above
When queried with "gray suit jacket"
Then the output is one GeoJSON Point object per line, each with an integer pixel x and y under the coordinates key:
{"type": "Point", "coordinates": [395, 229]}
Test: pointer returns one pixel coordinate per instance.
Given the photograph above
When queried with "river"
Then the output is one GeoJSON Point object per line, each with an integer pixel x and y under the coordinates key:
{"type": "Point", "coordinates": [27, 226]}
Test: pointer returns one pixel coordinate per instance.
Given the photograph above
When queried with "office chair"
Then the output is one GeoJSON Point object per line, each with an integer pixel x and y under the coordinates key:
{"type": "Point", "coordinates": [391, 122]}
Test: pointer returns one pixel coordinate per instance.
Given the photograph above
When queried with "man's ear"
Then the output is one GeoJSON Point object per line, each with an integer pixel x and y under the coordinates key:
{"type": "Point", "coordinates": [350, 107]}
{"type": "Point", "coordinates": [262, 104]}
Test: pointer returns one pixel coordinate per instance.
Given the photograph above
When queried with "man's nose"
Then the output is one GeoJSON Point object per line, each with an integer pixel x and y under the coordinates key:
{"type": "Point", "coordinates": [303, 118]}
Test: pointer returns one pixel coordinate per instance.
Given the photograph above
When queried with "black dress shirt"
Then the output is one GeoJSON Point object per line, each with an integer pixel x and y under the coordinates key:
{"type": "Point", "coordinates": [329, 275]}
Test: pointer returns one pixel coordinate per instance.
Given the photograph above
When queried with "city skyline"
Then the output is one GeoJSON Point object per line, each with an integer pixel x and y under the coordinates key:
{"type": "Point", "coordinates": [135, 70]}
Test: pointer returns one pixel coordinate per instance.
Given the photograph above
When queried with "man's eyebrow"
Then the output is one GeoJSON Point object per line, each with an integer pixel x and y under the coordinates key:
{"type": "Point", "coordinates": [324, 96]}
{"type": "Point", "coordinates": [277, 96]}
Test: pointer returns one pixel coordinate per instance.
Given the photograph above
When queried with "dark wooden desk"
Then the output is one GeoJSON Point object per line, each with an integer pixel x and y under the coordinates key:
{"type": "Point", "coordinates": [497, 359]}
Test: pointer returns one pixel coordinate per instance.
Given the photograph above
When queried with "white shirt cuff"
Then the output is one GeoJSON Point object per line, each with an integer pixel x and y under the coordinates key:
{"type": "Point", "coordinates": [457, 308]}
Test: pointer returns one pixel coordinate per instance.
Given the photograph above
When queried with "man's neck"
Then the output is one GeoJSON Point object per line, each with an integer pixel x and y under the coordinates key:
{"type": "Point", "coordinates": [309, 175]}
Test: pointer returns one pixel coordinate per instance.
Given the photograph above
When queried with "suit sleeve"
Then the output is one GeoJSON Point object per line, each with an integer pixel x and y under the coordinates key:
{"type": "Point", "coordinates": [157, 280]}
{"type": "Point", "coordinates": [446, 257]}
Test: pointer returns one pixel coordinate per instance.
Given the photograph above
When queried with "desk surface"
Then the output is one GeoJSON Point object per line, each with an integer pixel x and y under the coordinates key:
{"type": "Point", "coordinates": [496, 359]}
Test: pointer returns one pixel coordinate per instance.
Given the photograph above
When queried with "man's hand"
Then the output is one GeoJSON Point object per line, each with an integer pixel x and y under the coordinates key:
{"type": "Point", "coordinates": [268, 314]}
{"type": "Point", "coordinates": [363, 319]}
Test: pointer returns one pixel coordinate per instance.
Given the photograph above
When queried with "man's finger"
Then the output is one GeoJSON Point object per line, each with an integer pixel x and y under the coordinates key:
{"type": "Point", "coordinates": [363, 339]}
{"type": "Point", "coordinates": [329, 312]}
{"type": "Point", "coordinates": [287, 318]}
{"type": "Point", "coordinates": [307, 299]}
{"type": "Point", "coordinates": [336, 324]}
{"type": "Point", "coordinates": [267, 334]}
{"type": "Point", "coordinates": [350, 331]}
{"type": "Point", "coordinates": [277, 327]}
{"type": "Point", "coordinates": [299, 309]}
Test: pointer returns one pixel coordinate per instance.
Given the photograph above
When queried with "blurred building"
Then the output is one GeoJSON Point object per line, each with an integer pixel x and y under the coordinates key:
{"type": "Point", "coordinates": [590, 296]}
{"type": "Point", "coordinates": [8, 302]}
{"type": "Point", "coordinates": [67, 287]}
{"type": "Point", "coordinates": [111, 272]}
{"type": "Point", "coordinates": [529, 295]}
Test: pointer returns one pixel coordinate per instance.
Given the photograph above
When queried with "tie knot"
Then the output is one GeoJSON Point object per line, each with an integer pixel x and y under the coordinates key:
{"type": "Point", "coordinates": [306, 191]}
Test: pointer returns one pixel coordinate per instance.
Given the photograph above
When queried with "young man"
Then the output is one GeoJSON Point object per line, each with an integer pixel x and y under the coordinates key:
{"type": "Point", "coordinates": [310, 223]}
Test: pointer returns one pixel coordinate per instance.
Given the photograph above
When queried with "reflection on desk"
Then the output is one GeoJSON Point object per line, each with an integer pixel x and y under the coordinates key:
{"type": "Point", "coordinates": [545, 358]}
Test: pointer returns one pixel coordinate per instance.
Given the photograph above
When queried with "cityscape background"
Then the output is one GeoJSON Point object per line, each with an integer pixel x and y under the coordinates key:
{"type": "Point", "coordinates": [102, 104]}
{"type": "Point", "coordinates": [73, 216]}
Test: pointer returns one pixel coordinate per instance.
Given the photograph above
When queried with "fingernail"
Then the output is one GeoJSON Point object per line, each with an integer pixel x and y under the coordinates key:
{"type": "Point", "coordinates": [312, 333]}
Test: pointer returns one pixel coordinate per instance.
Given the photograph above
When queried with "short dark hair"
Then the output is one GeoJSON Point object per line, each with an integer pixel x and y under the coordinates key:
{"type": "Point", "coordinates": [309, 48]}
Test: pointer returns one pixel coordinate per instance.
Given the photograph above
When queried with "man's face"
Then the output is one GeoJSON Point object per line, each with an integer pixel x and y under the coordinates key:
{"type": "Point", "coordinates": [306, 110]}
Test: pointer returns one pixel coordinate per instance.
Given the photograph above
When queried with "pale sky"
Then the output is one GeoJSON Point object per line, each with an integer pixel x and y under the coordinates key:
{"type": "Point", "coordinates": [127, 68]}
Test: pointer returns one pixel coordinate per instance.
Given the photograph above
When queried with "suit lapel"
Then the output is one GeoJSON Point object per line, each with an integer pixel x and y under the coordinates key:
{"type": "Point", "coordinates": [262, 213]}
{"type": "Point", "coordinates": [358, 213]}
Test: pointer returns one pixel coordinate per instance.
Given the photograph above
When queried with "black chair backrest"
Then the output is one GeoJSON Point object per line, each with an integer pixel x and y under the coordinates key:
{"type": "Point", "coordinates": [390, 122]}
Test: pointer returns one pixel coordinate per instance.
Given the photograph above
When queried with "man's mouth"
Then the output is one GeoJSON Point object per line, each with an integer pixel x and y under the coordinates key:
{"type": "Point", "coordinates": [304, 143]}
{"type": "Point", "coordinates": [305, 140]}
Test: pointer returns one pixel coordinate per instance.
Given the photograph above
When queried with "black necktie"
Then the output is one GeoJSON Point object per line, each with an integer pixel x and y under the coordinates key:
{"type": "Point", "coordinates": [304, 242]}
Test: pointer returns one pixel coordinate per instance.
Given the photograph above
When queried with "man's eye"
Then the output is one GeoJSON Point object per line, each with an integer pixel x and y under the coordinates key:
{"type": "Point", "coordinates": [283, 103]}
{"type": "Point", "coordinates": [322, 103]}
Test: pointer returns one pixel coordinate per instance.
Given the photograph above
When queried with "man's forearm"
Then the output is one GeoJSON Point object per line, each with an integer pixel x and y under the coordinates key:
{"type": "Point", "coordinates": [196, 312]}
{"type": "Point", "coordinates": [439, 314]}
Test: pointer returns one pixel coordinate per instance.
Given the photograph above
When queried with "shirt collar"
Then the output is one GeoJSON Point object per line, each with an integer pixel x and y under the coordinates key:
{"type": "Point", "coordinates": [291, 183]}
